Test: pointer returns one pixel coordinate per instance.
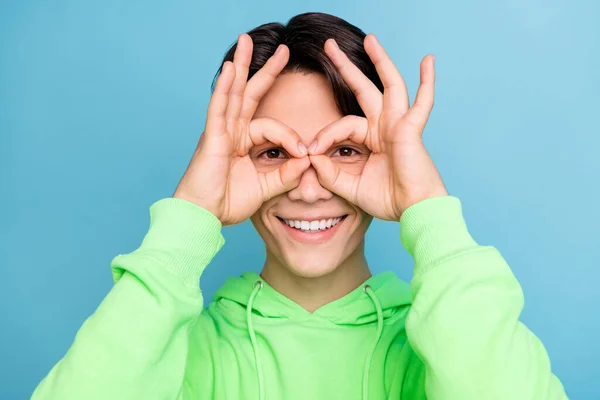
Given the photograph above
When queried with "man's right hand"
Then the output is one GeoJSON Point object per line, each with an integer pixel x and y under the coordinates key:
{"type": "Point", "coordinates": [221, 177]}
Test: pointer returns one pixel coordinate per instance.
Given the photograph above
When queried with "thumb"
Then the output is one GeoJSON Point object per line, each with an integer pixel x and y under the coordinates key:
{"type": "Point", "coordinates": [284, 178]}
{"type": "Point", "coordinates": [333, 178]}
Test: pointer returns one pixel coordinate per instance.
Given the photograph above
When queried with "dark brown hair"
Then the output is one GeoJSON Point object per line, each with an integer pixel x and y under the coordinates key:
{"type": "Point", "coordinates": [305, 35]}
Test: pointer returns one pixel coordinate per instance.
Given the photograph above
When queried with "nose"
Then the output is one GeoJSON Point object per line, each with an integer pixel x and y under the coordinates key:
{"type": "Point", "coordinates": [309, 190]}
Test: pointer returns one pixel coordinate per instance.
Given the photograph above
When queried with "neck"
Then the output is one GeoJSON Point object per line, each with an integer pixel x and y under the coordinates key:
{"type": "Point", "coordinates": [313, 292]}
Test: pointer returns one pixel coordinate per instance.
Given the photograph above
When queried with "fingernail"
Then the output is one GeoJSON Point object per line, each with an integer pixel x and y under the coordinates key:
{"type": "Point", "coordinates": [313, 147]}
{"type": "Point", "coordinates": [278, 51]}
{"type": "Point", "coordinates": [335, 44]}
{"type": "Point", "coordinates": [302, 148]}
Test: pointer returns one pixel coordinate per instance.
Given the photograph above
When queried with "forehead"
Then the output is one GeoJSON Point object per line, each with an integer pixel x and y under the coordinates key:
{"type": "Point", "coordinates": [304, 102]}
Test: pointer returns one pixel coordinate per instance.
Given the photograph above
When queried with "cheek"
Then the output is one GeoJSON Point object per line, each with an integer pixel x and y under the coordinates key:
{"type": "Point", "coordinates": [261, 218]}
{"type": "Point", "coordinates": [353, 167]}
{"type": "Point", "coordinates": [264, 166]}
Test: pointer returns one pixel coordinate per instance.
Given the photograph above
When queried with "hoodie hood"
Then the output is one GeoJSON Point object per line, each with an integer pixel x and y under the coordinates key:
{"type": "Point", "coordinates": [355, 308]}
{"type": "Point", "coordinates": [377, 299]}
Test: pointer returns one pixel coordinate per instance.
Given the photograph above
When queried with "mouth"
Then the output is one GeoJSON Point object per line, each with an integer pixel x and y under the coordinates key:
{"type": "Point", "coordinates": [314, 231]}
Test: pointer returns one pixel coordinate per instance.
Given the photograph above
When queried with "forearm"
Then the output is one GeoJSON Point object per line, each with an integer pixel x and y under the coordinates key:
{"type": "Point", "coordinates": [136, 342]}
{"type": "Point", "coordinates": [464, 322]}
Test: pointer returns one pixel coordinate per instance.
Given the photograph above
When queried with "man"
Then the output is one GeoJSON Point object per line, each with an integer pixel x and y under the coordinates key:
{"type": "Point", "coordinates": [310, 142]}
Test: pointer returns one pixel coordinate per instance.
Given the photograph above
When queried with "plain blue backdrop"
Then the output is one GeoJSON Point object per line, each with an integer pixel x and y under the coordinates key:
{"type": "Point", "coordinates": [102, 103]}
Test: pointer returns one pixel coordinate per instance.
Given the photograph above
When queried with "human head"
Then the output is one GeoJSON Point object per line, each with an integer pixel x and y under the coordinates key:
{"type": "Point", "coordinates": [308, 95]}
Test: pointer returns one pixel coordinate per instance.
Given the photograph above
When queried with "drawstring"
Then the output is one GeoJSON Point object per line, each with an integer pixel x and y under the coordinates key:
{"type": "Point", "coordinates": [367, 368]}
{"type": "Point", "coordinates": [257, 286]}
{"type": "Point", "coordinates": [369, 291]}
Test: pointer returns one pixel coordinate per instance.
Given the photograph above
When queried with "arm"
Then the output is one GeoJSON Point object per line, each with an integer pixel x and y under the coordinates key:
{"type": "Point", "coordinates": [135, 344]}
{"type": "Point", "coordinates": [464, 323]}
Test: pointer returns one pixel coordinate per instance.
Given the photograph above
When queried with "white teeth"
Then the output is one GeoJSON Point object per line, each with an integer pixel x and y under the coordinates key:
{"type": "Point", "coordinates": [313, 226]}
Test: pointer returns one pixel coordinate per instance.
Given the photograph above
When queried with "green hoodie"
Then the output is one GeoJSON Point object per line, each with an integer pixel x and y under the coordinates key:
{"type": "Point", "coordinates": [454, 333]}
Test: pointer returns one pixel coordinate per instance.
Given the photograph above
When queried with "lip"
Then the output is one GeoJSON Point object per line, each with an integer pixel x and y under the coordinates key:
{"type": "Point", "coordinates": [315, 217]}
{"type": "Point", "coordinates": [312, 237]}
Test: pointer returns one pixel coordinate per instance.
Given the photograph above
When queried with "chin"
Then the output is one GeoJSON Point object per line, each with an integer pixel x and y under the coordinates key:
{"type": "Point", "coordinates": [311, 251]}
{"type": "Point", "coordinates": [313, 265]}
{"type": "Point", "coordinates": [312, 258]}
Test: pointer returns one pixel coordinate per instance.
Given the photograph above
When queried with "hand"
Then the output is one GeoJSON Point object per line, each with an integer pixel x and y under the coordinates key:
{"type": "Point", "coordinates": [221, 177]}
{"type": "Point", "coordinates": [399, 172]}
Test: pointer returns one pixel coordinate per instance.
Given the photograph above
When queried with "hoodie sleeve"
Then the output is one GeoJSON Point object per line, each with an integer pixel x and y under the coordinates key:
{"type": "Point", "coordinates": [464, 322]}
{"type": "Point", "coordinates": [135, 344]}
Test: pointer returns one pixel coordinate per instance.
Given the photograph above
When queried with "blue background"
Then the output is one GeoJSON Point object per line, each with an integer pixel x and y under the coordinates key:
{"type": "Point", "coordinates": [102, 103]}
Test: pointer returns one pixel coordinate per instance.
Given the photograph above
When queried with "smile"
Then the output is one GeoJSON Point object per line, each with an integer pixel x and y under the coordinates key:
{"type": "Point", "coordinates": [312, 226]}
{"type": "Point", "coordinates": [315, 231]}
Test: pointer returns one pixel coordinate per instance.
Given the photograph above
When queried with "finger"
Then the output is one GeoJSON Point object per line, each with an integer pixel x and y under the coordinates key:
{"type": "Point", "coordinates": [421, 109]}
{"type": "Point", "coordinates": [262, 81]}
{"type": "Point", "coordinates": [350, 127]}
{"type": "Point", "coordinates": [367, 94]}
{"type": "Point", "coordinates": [217, 107]}
{"type": "Point", "coordinates": [241, 59]}
{"type": "Point", "coordinates": [333, 178]}
{"type": "Point", "coordinates": [263, 130]}
{"type": "Point", "coordinates": [284, 178]}
{"type": "Point", "coordinates": [395, 95]}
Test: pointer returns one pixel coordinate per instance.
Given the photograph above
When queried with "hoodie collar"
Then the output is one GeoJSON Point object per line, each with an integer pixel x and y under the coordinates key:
{"type": "Point", "coordinates": [355, 308]}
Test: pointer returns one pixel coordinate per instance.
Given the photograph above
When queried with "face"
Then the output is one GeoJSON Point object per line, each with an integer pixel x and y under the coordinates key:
{"type": "Point", "coordinates": [309, 230]}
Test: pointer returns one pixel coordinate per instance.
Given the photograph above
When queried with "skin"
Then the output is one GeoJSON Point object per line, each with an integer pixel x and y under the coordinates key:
{"type": "Point", "coordinates": [310, 274]}
{"type": "Point", "coordinates": [230, 175]}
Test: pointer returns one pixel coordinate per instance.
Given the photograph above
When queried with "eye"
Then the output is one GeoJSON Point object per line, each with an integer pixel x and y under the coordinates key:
{"type": "Point", "coordinates": [273, 154]}
{"type": "Point", "coordinates": [345, 152]}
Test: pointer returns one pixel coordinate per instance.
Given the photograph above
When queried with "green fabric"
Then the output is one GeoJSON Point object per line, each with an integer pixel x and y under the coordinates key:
{"type": "Point", "coordinates": [453, 333]}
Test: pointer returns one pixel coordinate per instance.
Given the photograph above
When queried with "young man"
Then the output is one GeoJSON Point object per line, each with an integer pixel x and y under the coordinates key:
{"type": "Point", "coordinates": [311, 142]}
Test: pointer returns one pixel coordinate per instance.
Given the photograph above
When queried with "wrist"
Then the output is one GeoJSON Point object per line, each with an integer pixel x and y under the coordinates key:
{"type": "Point", "coordinates": [409, 201]}
{"type": "Point", "coordinates": [182, 237]}
{"type": "Point", "coordinates": [434, 229]}
{"type": "Point", "coordinates": [208, 205]}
